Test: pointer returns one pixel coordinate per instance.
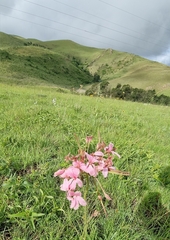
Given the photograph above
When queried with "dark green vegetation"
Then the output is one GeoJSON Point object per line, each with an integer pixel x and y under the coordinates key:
{"type": "Point", "coordinates": [67, 64]}
{"type": "Point", "coordinates": [25, 62]}
{"type": "Point", "coordinates": [128, 93]}
{"type": "Point", "coordinates": [38, 127]}
{"type": "Point", "coordinates": [153, 214]}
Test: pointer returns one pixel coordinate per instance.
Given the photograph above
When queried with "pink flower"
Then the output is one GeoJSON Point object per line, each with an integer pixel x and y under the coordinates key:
{"type": "Point", "coordinates": [66, 185]}
{"type": "Point", "coordinates": [91, 170]}
{"type": "Point", "coordinates": [76, 182]}
{"type": "Point", "coordinates": [59, 172]}
{"type": "Point", "coordinates": [76, 199]}
{"type": "Point", "coordinates": [106, 170]}
{"type": "Point", "coordinates": [90, 167]}
{"type": "Point", "coordinates": [115, 153]}
{"type": "Point", "coordinates": [89, 139]}
{"type": "Point", "coordinates": [70, 184]}
{"type": "Point", "coordinates": [91, 159]}
{"type": "Point", "coordinates": [105, 165]}
{"type": "Point", "coordinates": [110, 149]}
{"type": "Point", "coordinates": [79, 165]}
{"type": "Point", "coordinates": [100, 146]}
{"type": "Point", "coordinates": [107, 196]}
{"type": "Point", "coordinates": [98, 155]}
{"type": "Point", "coordinates": [84, 164]}
{"type": "Point", "coordinates": [71, 172]}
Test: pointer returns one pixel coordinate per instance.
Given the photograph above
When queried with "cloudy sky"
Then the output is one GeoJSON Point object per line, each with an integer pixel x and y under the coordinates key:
{"type": "Point", "coordinates": [138, 27]}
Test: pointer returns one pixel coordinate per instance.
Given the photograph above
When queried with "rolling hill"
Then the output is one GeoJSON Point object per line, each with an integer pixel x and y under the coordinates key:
{"type": "Point", "coordinates": [68, 64]}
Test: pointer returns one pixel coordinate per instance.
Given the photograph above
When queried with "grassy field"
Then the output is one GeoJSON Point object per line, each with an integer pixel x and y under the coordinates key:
{"type": "Point", "coordinates": [38, 127]}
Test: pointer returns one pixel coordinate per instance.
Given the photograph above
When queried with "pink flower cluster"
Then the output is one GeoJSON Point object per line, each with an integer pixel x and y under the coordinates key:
{"type": "Point", "coordinates": [85, 163]}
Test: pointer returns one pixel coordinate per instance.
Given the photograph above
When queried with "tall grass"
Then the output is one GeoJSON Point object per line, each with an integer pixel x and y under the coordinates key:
{"type": "Point", "coordinates": [37, 133]}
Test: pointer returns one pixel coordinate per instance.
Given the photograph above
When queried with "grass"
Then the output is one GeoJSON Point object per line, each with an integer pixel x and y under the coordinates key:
{"type": "Point", "coordinates": [147, 72]}
{"type": "Point", "coordinates": [9, 40]}
{"type": "Point", "coordinates": [67, 64]}
{"type": "Point", "coordinates": [41, 65]}
{"type": "Point", "coordinates": [37, 134]}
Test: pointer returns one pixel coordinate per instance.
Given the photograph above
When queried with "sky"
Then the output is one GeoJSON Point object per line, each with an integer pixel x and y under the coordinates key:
{"type": "Point", "coordinates": [137, 27]}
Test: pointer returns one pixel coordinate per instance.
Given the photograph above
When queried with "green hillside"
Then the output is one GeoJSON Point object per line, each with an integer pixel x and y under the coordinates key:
{"type": "Point", "coordinates": [40, 126]}
{"type": "Point", "coordinates": [67, 64]}
{"type": "Point", "coordinates": [33, 63]}
{"type": "Point", "coordinates": [34, 66]}
{"type": "Point", "coordinates": [7, 41]}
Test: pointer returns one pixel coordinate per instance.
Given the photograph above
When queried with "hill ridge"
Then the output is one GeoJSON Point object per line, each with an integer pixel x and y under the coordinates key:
{"type": "Point", "coordinates": [73, 64]}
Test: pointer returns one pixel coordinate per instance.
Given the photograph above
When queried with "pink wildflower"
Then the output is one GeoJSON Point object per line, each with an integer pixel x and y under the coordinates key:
{"type": "Point", "coordinates": [117, 154]}
{"type": "Point", "coordinates": [100, 146]}
{"type": "Point", "coordinates": [111, 149]}
{"type": "Point", "coordinates": [59, 172]}
{"type": "Point", "coordinates": [78, 164]}
{"type": "Point", "coordinates": [71, 184]}
{"type": "Point", "coordinates": [82, 164]}
{"type": "Point", "coordinates": [70, 172]}
{"type": "Point", "coordinates": [91, 170]}
{"type": "Point", "coordinates": [105, 165]}
{"type": "Point", "coordinates": [98, 155]}
{"type": "Point", "coordinates": [89, 139]}
{"type": "Point", "coordinates": [91, 159]}
{"type": "Point", "coordinates": [107, 196]}
{"type": "Point", "coordinates": [106, 170]}
{"type": "Point", "coordinates": [66, 185]}
{"type": "Point", "coordinates": [90, 166]}
{"type": "Point", "coordinates": [76, 199]}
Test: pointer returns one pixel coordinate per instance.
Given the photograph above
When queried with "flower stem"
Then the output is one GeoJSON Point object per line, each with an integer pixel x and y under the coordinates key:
{"type": "Point", "coordinates": [84, 234]}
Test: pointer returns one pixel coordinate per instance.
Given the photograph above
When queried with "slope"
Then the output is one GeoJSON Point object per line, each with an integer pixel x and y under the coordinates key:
{"type": "Point", "coordinates": [118, 67]}
{"type": "Point", "coordinates": [33, 63]}
{"type": "Point", "coordinates": [7, 41]}
{"type": "Point", "coordinates": [66, 63]}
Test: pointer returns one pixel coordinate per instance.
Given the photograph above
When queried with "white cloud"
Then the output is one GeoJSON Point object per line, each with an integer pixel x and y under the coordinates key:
{"type": "Point", "coordinates": [139, 27]}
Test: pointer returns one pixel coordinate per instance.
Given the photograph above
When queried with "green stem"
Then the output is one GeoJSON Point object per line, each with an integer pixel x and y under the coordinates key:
{"type": "Point", "coordinates": [84, 234]}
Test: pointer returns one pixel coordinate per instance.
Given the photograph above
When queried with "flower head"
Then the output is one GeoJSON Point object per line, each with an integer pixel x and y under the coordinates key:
{"type": "Point", "coordinates": [59, 172]}
{"type": "Point", "coordinates": [70, 184]}
{"type": "Point", "coordinates": [83, 166]}
{"type": "Point", "coordinates": [90, 166]}
{"type": "Point", "coordinates": [89, 139]}
{"type": "Point", "coordinates": [111, 149]}
{"type": "Point", "coordinates": [76, 199]}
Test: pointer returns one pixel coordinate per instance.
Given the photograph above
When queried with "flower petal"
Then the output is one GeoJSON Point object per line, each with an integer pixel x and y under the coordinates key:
{"type": "Point", "coordinates": [59, 172]}
{"type": "Point", "coordinates": [107, 196]}
{"type": "Point", "coordinates": [92, 170]}
{"type": "Point", "coordinates": [89, 139]}
{"type": "Point", "coordinates": [81, 201]}
{"type": "Point", "coordinates": [105, 172]}
{"type": "Point", "coordinates": [91, 159]}
{"type": "Point", "coordinates": [65, 185]}
{"type": "Point", "coordinates": [98, 154]}
{"type": "Point", "coordinates": [115, 153]}
{"type": "Point", "coordinates": [74, 203]}
{"type": "Point", "coordinates": [79, 182]}
{"type": "Point", "coordinates": [73, 172]}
